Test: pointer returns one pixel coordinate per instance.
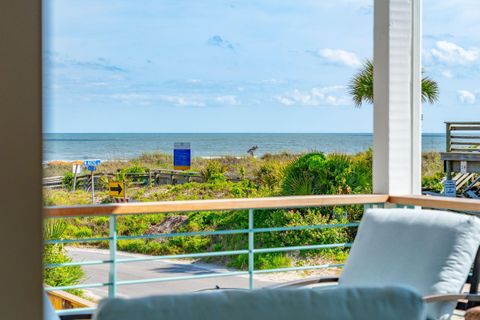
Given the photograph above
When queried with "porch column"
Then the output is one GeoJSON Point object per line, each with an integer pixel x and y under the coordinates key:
{"type": "Point", "coordinates": [21, 159]}
{"type": "Point", "coordinates": [397, 97]}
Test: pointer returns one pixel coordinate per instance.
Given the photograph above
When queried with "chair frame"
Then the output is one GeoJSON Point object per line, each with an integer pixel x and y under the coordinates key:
{"type": "Point", "coordinates": [473, 297]}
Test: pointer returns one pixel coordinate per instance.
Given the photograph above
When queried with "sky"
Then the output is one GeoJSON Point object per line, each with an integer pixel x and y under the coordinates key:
{"type": "Point", "coordinates": [238, 66]}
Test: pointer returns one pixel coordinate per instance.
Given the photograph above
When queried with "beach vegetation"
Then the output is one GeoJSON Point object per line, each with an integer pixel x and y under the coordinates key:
{"type": "Point", "coordinates": [269, 175]}
{"type": "Point", "coordinates": [316, 173]}
{"type": "Point", "coordinates": [67, 181]}
{"type": "Point", "coordinates": [56, 253]}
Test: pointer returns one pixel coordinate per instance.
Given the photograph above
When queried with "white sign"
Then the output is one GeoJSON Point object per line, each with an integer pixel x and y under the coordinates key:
{"type": "Point", "coordinates": [450, 188]}
{"type": "Point", "coordinates": [463, 166]}
{"type": "Point", "coordinates": [181, 145]}
{"type": "Point", "coordinates": [76, 169]}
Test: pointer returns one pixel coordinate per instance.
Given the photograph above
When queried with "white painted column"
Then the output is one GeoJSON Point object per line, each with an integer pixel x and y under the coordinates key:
{"type": "Point", "coordinates": [397, 97]}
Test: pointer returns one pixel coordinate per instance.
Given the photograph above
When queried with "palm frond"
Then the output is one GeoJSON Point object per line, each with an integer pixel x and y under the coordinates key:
{"type": "Point", "coordinates": [54, 229]}
{"type": "Point", "coordinates": [361, 86]}
{"type": "Point", "coordinates": [430, 91]}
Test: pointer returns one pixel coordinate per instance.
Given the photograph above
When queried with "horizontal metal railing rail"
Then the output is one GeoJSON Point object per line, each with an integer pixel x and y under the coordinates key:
{"type": "Point", "coordinates": [116, 210]}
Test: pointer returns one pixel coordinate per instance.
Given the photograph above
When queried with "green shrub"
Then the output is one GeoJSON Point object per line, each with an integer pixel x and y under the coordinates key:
{"type": "Point", "coordinates": [124, 174]}
{"type": "Point", "coordinates": [67, 181]}
{"type": "Point", "coordinates": [137, 224]}
{"type": "Point", "coordinates": [82, 232]}
{"type": "Point", "coordinates": [272, 261]}
{"type": "Point", "coordinates": [134, 245]}
{"type": "Point", "coordinates": [214, 171]}
{"type": "Point", "coordinates": [315, 173]}
{"type": "Point", "coordinates": [101, 183]}
{"type": "Point", "coordinates": [55, 253]}
{"type": "Point", "coordinates": [270, 175]}
{"type": "Point", "coordinates": [433, 182]}
{"type": "Point", "coordinates": [60, 276]}
{"type": "Point", "coordinates": [284, 218]}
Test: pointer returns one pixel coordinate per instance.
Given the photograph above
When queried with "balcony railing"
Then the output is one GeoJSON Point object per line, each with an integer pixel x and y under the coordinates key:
{"type": "Point", "coordinates": [463, 136]}
{"type": "Point", "coordinates": [249, 206]}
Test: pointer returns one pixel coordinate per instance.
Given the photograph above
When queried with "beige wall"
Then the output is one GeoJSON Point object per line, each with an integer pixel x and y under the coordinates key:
{"type": "Point", "coordinates": [20, 159]}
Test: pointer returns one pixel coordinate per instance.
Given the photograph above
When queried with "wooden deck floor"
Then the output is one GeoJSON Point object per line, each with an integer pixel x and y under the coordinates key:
{"type": "Point", "coordinates": [458, 315]}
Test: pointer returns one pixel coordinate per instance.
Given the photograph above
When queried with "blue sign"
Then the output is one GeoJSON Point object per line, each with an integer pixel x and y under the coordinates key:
{"type": "Point", "coordinates": [91, 165]}
{"type": "Point", "coordinates": [181, 156]}
{"type": "Point", "coordinates": [450, 188]}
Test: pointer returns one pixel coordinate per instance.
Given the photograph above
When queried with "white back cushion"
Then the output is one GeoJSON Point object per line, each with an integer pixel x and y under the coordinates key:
{"type": "Point", "coordinates": [431, 251]}
{"type": "Point", "coordinates": [392, 303]}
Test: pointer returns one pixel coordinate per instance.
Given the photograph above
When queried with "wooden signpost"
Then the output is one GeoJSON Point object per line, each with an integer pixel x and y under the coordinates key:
{"type": "Point", "coordinates": [91, 166]}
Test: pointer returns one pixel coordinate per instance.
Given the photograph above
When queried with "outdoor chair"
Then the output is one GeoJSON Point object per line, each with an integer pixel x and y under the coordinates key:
{"type": "Point", "coordinates": [430, 251]}
{"type": "Point", "coordinates": [393, 303]}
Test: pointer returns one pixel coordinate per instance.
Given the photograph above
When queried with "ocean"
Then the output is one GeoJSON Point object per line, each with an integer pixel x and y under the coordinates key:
{"type": "Point", "coordinates": [124, 146]}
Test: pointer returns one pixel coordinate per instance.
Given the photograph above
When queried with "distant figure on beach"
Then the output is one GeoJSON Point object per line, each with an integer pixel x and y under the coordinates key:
{"type": "Point", "coordinates": [252, 150]}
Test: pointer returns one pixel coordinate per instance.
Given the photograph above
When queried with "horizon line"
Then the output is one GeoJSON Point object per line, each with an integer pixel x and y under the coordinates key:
{"type": "Point", "coordinates": [151, 132]}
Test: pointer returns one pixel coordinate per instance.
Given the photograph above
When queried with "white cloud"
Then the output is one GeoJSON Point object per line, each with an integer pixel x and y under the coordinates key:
{"type": "Point", "coordinates": [272, 81]}
{"type": "Point", "coordinates": [325, 96]}
{"type": "Point", "coordinates": [135, 98]}
{"type": "Point", "coordinates": [176, 100]}
{"type": "Point", "coordinates": [451, 53]}
{"type": "Point", "coordinates": [183, 101]}
{"type": "Point", "coordinates": [339, 56]}
{"type": "Point", "coordinates": [447, 74]}
{"type": "Point", "coordinates": [231, 100]}
{"type": "Point", "coordinates": [466, 97]}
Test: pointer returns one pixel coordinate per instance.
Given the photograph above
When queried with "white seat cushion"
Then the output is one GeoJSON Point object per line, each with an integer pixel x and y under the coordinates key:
{"type": "Point", "coordinates": [431, 251]}
{"type": "Point", "coordinates": [393, 303]}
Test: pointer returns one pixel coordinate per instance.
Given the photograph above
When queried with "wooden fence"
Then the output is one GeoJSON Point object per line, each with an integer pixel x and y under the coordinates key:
{"type": "Point", "coordinates": [153, 177]}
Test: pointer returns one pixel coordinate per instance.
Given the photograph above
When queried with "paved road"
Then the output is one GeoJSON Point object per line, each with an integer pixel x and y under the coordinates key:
{"type": "Point", "coordinates": [154, 269]}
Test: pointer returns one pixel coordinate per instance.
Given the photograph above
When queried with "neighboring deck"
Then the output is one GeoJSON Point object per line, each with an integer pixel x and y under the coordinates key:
{"type": "Point", "coordinates": [463, 148]}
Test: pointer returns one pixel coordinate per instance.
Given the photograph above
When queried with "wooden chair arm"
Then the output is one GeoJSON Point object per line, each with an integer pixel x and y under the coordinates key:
{"type": "Point", "coordinates": [451, 297]}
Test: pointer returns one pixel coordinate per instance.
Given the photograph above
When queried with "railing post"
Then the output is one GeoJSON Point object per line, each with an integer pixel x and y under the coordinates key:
{"type": "Point", "coordinates": [112, 274]}
{"type": "Point", "coordinates": [448, 135]}
{"type": "Point", "coordinates": [251, 247]}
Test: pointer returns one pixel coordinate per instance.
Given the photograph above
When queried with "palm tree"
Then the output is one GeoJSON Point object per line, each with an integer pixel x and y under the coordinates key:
{"type": "Point", "coordinates": [361, 86]}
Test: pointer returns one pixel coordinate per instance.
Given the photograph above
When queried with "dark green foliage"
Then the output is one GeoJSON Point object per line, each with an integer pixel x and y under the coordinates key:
{"type": "Point", "coordinates": [315, 173]}
{"type": "Point", "coordinates": [67, 181]}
